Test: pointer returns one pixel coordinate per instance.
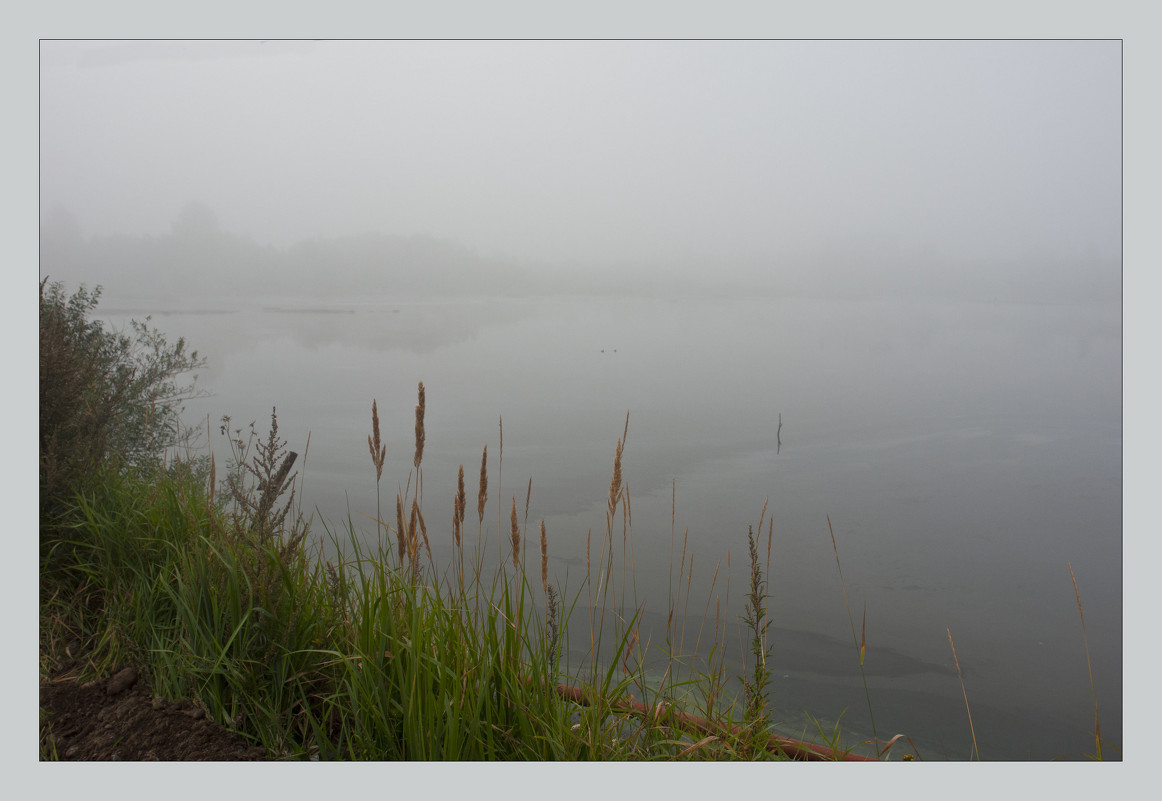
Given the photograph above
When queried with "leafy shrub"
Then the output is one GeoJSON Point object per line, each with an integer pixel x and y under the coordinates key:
{"type": "Point", "coordinates": [108, 400]}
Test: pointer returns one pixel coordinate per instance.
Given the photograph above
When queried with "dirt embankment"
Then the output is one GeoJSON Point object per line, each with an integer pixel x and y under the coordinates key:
{"type": "Point", "coordinates": [118, 718]}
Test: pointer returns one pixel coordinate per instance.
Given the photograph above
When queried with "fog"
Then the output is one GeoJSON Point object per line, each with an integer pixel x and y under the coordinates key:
{"type": "Point", "coordinates": [972, 169]}
{"type": "Point", "coordinates": [875, 283]}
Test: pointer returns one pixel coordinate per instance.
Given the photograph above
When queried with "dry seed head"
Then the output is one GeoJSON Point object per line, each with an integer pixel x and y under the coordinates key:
{"type": "Point", "coordinates": [459, 504]}
{"type": "Point", "coordinates": [413, 540]}
{"type": "Point", "coordinates": [515, 536]}
{"type": "Point", "coordinates": [401, 532]}
{"type": "Point", "coordinates": [544, 558]}
{"type": "Point", "coordinates": [378, 450]}
{"type": "Point", "coordinates": [420, 427]}
{"type": "Point", "coordinates": [482, 498]}
{"type": "Point", "coordinates": [461, 496]}
{"type": "Point", "coordinates": [418, 514]}
{"type": "Point", "coordinates": [615, 485]}
{"type": "Point", "coordinates": [332, 578]}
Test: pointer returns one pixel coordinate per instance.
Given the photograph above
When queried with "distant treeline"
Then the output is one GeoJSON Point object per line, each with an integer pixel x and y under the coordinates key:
{"type": "Point", "coordinates": [197, 258]}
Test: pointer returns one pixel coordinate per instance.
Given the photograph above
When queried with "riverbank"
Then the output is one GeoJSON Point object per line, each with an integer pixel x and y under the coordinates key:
{"type": "Point", "coordinates": [239, 636]}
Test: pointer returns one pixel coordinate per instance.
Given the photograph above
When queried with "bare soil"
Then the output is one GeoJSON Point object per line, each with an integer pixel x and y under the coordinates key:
{"type": "Point", "coordinates": [118, 718]}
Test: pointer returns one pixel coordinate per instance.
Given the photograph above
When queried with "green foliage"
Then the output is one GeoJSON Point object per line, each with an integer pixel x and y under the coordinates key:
{"type": "Point", "coordinates": [108, 400]}
{"type": "Point", "coordinates": [257, 483]}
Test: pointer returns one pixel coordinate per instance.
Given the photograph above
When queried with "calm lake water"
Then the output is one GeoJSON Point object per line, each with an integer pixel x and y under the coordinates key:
{"type": "Point", "coordinates": [964, 452]}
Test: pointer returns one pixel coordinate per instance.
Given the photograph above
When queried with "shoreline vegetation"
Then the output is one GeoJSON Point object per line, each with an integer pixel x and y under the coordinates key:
{"type": "Point", "coordinates": [209, 580]}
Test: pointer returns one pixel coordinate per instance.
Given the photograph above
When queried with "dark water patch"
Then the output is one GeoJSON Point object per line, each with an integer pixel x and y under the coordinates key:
{"type": "Point", "coordinates": [153, 312]}
{"type": "Point", "coordinates": [809, 652]}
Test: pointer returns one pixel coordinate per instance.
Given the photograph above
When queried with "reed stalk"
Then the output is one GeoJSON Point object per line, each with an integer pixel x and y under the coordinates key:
{"type": "Point", "coordinates": [499, 486]}
{"type": "Point", "coordinates": [544, 559]}
{"type": "Point", "coordinates": [525, 523]}
{"type": "Point", "coordinates": [960, 675]}
{"type": "Point", "coordinates": [1089, 665]}
{"type": "Point", "coordinates": [378, 457]}
{"type": "Point", "coordinates": [755, 688]}
{"type": "Point", "coordinates": [459, 509]}
{"type": "Point", "coordinates": [860, 648]}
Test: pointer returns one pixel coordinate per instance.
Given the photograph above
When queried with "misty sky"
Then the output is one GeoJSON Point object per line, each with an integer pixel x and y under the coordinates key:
{"type": "Point", "coordinates": [627, 151]}
{"type": "Point", "coordinates": [727, 153]}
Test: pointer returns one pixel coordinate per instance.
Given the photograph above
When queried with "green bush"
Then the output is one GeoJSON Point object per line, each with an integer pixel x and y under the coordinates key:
{"type": "Point", "coordinates": [108, 400]}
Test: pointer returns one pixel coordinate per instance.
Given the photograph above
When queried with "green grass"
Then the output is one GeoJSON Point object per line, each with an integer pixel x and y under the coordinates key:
{"type": "Point", "coordinates": [369, 656]}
